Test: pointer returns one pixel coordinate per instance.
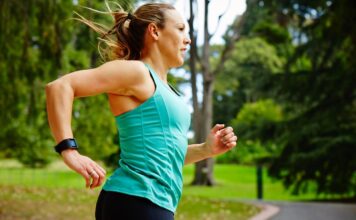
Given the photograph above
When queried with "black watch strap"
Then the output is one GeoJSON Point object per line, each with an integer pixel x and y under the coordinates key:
{"type": "Point", "coordinates": [69, 143]}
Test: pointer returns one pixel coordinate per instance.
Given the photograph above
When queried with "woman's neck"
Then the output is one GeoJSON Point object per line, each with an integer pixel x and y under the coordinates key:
{"type": "Point", "coordinates": [157, 64]}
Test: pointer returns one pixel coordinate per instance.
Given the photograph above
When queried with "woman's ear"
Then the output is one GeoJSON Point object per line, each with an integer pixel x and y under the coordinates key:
{"type": "Point", "coordinates": [152, 30]}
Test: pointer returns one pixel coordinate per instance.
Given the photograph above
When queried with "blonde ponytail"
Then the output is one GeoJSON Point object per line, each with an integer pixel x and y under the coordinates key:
{"type": "Point", "coordinates": [125, 39]}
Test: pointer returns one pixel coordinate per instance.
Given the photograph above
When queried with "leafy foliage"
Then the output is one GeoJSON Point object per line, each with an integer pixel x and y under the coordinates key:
{"type": "Point", "coordinates": [258, 119]}
{"type": "Point", "coordinates": [256, 124]}
{"type": "Point", "coordinates": [41, 47]}
{"type": "Point", "coordinates": [320, 100]}
{"type": "Point", "coordinates": [253, 59]}
{"type": "Point", "coordinates": [314, 86]}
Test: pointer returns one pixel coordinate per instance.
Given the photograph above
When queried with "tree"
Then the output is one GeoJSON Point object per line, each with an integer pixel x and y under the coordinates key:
{"type": "Point", "coordinates": [317, 91]}
{"type": "Point", "coordinates": [314, 87]}
{"type": "Point", "coordinates": [238, 100]}
{"type": "Point", "coordinates": [34, 46]}
{"type": "Point", "coordinates": [244, 73]}
{"type": "Point", "coordinates": [203, 113]}
{"type": "Point", "coordinates": [40, 48]}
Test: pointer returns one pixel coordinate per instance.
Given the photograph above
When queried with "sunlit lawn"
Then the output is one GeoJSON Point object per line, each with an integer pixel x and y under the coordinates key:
{"type": "Point", "coordinates": [58, 193]}
{"type": "Point", "coordinates": [233, 181]}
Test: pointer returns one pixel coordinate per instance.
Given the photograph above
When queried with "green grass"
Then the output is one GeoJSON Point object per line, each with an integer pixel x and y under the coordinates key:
{"type": "Point", "coordinates": [193, 207]}
{"type": "Point", "coordinates": [18, 202]}
{"type": "Point", "coordinates": [235, 181]}
{"type": "Point", "coordinates": [58, 193]}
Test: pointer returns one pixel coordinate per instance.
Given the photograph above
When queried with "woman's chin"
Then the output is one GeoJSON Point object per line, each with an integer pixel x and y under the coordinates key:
{"type": "Point", "coordinates": [178, 63]}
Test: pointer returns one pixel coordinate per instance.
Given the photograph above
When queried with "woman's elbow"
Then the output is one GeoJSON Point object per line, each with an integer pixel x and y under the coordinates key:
{"type": "Point", "coordinates": [58, 86]}
{"type": "Point", "coordinates": [52, 87]}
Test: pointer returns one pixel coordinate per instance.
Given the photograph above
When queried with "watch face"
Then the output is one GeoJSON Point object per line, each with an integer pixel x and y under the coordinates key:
{"type": "Point", "coordinates": [72, 142]}
{"type": "Point", "coordinates": [66, 144]}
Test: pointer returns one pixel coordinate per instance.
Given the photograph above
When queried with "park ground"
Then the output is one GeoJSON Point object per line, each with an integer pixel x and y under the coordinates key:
{"type": "Point", "coordinates": [58, 193]}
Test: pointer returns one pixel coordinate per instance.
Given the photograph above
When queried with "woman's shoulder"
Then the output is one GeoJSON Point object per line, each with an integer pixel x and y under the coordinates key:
{"type": "Point", "coordinates": [132, 76]}
{"type": "Point", "coordinates": [131, 67]}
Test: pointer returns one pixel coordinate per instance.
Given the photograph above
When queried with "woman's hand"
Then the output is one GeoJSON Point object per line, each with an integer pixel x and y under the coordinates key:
{"type": "Point", "coordinates": [93, 173]}
{"type": "Point", "coordinates": [220, 140]}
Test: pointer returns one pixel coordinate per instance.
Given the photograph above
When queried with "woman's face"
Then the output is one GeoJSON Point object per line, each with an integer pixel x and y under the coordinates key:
{"type": "Point", "coordinates": [173, 40]}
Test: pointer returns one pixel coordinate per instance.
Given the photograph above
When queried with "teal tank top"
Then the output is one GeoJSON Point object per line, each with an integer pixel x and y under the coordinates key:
{"type": "Point", "coordinates": [153, 144]}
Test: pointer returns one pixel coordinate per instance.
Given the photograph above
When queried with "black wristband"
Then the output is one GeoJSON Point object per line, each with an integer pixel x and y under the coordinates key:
{"type": "Point", "coordinates": [69, 143]}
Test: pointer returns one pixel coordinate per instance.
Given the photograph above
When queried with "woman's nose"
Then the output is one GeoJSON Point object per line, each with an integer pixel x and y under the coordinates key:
{"type": "Point", "coordinates": [187, 40]}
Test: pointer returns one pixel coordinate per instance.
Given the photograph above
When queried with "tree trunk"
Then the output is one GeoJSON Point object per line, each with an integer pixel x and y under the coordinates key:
{"type": "Point", "coordinates": [193, 75]}
{"type": "Point", "coordinates": [203, 115]}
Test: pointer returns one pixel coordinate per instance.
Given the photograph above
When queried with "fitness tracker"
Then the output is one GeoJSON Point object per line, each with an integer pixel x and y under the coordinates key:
{"type": "Point", "coordinates": [69, 143]}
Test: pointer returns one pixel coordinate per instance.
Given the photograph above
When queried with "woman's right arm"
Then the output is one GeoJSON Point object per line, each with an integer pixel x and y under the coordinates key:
{"type": "Point", "coordinates": [116, 77]}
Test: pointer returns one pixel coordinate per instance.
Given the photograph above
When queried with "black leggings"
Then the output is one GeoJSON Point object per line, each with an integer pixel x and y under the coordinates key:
{"type": "Point", "coordinates": [117, 206]}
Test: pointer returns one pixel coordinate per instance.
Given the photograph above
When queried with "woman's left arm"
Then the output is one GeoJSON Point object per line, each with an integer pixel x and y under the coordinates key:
{"type": "Point", "coordinates": [219, 141]}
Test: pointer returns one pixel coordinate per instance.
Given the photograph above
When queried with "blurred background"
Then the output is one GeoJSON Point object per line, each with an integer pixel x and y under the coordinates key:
{"type": "Point", "coordinates": [281, 73]}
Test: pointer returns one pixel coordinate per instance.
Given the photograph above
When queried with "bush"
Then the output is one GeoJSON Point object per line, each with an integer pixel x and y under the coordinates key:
{"type": "Point", "coordinates": [29, 146]}
{"type": "Point", "coordinates": [249, 152]}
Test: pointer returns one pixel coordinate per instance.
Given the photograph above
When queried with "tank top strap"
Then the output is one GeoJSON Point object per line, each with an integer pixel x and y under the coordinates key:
{"type": "Point", "coordinates": [154, 75]}
{"type": "Point", "coordinates": [158, 82]}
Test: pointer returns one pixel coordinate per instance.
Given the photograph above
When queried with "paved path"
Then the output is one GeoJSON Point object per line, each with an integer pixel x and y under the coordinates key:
{"type": "Point", "coordinates": [309, 211]}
